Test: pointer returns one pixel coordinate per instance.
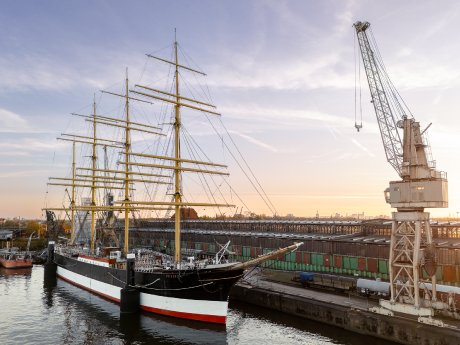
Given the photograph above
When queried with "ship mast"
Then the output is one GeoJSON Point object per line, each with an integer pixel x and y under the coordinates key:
{"type": "Point", "coordinates": [127, 149]}
{"type": "Point", "coordinates": [177, 182]}
{"type": "Point", "coordinates": [72, 202]}
{"type": "Point", "coordinates": [93, 182]}
{"type": "Point", "coordinates": [179, 102]}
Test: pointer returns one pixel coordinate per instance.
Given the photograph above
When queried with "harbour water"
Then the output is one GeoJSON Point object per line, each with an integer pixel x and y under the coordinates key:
{"type": "Point", "coordinates": [33, 314]}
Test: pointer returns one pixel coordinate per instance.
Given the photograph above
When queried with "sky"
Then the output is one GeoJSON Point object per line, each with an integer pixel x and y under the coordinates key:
{"type": "Point", "coordinates": [282, 73]}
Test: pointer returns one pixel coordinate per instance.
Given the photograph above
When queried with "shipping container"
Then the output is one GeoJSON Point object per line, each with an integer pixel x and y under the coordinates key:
{"type": "Point", "coordinates": [372, 265]}
{"type": "Point", "coordinates": [383, 266]}
{"type": "Point", "coordinates": [338, 261]}
{"type": "Point", "coordinates": [449, 273]}
{"type": "Point", "coordinates": [439, 276]}
{"type": "Point", "coordinates": [353, 263]}
{"type": "Point", "coordinates": [291, 257]}
{"type": "Point", "coordinates": [298, 257]}
{"type": "Point", "coordinates": [317, 259]}
{"type": "Point", "coordinates": [362, 264]}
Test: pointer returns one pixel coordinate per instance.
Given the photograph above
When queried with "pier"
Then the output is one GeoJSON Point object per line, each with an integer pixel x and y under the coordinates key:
{"type": "Point", "coordinates": [347, 312]}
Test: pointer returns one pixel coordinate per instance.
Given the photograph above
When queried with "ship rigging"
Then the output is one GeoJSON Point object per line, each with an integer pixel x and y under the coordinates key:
{"type": "Point", "coordinates": [178, 285]}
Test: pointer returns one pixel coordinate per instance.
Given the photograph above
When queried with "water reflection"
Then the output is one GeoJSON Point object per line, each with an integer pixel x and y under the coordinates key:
{"type": "Point", "coordinates": [8, 272]}
{"type": "Point", "coordinates": [281, 328]}
{"type": "Point", "coordinates": [36, 313]}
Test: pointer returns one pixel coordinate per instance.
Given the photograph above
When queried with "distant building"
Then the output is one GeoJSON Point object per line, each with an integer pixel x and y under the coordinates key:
{"type": "Point", "coordinates": [358, 215]}
{"type": "Point", "coordinates": [6, 235]}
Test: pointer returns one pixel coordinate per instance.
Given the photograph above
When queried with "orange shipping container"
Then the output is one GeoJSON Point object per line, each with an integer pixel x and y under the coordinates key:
{"type": "Point", "coordinates": [337, 261]}
{"type": "Point", "coordinates": [327, 260]}
{"type": "Point", "coordinates": [362, 264]}
{"type": "Point", "coordinates": [299, 256]}
{"type": "Point", "coordinates": [372, 265]}
{"type": "Point", "coordinates": [449, 273]}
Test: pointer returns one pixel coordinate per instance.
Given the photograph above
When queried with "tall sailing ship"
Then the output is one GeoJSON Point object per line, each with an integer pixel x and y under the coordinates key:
{"type": "Point", "coordinates": [178, 285]}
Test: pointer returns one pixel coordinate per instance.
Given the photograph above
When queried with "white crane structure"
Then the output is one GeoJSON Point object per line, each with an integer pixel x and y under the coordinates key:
{"type": "Point", "coordinates": [412, 252]}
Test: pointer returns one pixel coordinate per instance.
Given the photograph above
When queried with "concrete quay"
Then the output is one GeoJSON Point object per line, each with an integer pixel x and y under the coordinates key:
{"type": "Point", "coordinates": [347, 312]}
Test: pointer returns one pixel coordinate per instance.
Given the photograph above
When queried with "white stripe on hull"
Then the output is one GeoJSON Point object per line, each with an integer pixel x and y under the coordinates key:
{"type": "Point", "coordinates": [178, 305]}
{"type": "Point", "coordinates": [90, 284]}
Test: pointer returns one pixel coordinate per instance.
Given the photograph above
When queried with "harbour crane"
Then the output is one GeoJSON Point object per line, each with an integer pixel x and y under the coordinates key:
{"type": "Point", "coordinates": [420, 186]}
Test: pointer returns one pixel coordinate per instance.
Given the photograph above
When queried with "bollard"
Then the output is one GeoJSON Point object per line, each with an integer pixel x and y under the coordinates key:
{"type": "Point", "coordinates": [129, 295]}
{"type": "Point", "coordinates": [50, 267]}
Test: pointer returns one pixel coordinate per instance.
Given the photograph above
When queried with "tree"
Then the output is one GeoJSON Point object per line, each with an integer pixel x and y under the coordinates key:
{"type": "Point", "coordinates": [32, 226]}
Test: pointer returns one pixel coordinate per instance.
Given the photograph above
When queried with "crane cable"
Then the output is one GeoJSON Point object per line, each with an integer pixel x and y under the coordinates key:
{"type": "Point", "coordinates": [358, 80]}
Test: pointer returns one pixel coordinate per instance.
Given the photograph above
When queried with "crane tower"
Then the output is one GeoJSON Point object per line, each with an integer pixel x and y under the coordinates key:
{"type": "Point", "coordinates": [412, 253]}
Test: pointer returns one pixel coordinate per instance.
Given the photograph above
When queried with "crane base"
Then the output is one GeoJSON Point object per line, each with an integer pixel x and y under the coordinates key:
{"type": "Point", "coordinates": [406, 309]}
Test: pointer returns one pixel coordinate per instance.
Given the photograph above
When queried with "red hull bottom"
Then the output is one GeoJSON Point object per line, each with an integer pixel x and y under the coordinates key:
{"type": "Point", "coordinates": [27, 263]}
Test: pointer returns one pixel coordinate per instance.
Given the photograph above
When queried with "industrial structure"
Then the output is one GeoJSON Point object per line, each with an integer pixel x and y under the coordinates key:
{"type": "Point", "coordinates": [359, 248]}
{"type": "Point", "coordinates": [421, 186]}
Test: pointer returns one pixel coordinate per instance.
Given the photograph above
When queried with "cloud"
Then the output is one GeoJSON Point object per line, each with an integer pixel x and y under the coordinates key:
{"type": "Point", "coordinates": [255, 141]}
{"type": "Point", "coordinates": [362, 147]}
{"type": "Point", "coordinates": [40, 72]}
{"type": "Point", "coordinates": [25, 173]}
{"type": "Point", "coordinates": [285, 114]}
{"type": "Point", "coordinates": [10, 121]}
{"type": "Point", "coordinates": [33, 72]}
{"type": "Point", "coordinates": [28, 145]}
{"type": "Point", "coordinates": [296, 73]}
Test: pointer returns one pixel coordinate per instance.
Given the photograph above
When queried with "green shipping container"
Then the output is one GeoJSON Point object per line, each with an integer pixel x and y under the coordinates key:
{"type": "Point", "coordinates": [383, 266]}
{"type": "Point", "coordinates": [317, 259]}
{"type": "Point", "coordinates": [346, 262]}
{"type": "Point", "coordinates": [439, 276]}
{"type": "Point", "coordinates": [291, 257]}
{"type": "Point", "coordinates": [354, 263]}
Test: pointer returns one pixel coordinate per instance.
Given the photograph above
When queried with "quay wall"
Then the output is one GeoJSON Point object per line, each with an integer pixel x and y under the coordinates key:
{"type": "Point", "coordinates": [396, 329]}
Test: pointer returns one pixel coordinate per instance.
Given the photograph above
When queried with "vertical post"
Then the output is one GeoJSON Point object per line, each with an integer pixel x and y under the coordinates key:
{"type": "Point", "coordinates": [72, 202]}
{"type": "Point", "coordinates": [93, 182]}
{"type": "Point", "coordinates": [50, 267]}
{"type": "Point", "coordinates": [394, 227]}
{"type": "Point", "coordinates": [416, 262]}
{"type": "Point", "coordinates": [127, 150]}
{"type": "Point", "coordinates": [177, 191]}
{"type": "Point", "coordinates": [429, 241]}
{"type": "Point", "coordinates": [129, 295]}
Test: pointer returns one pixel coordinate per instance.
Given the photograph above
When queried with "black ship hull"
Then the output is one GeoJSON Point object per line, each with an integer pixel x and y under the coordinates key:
{"type": "Point", "coordinates": [196, 294]}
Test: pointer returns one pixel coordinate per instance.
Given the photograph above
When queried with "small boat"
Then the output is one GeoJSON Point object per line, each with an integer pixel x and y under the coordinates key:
{"type": "Point", "coordinates": [15, 259]}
